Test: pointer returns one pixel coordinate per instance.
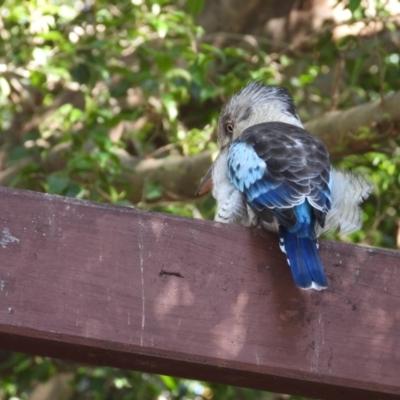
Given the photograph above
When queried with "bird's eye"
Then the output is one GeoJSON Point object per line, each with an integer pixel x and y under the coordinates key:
{"type": "Point", "coordinates": [229, 128]}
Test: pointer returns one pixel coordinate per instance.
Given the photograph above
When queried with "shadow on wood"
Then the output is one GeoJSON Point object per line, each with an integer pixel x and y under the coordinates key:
{"type": "Point", "coordinates": [115, 286]}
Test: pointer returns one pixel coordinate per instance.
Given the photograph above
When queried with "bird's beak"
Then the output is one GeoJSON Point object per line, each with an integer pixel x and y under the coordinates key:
{"type": "Point", "coordinates": [206, 183]}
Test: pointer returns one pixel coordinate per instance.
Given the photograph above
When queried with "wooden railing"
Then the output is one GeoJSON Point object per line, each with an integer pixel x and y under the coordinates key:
{"type": "Point", "coordinates": [120, 287]}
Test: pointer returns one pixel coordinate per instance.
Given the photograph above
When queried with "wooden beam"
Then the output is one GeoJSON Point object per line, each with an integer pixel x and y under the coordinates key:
{"type": "Point", "coordinates": [116, 286]}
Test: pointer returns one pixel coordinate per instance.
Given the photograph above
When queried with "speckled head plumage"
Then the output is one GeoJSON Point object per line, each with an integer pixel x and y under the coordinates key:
{"type": "Point", "coordinates": [254, 104]}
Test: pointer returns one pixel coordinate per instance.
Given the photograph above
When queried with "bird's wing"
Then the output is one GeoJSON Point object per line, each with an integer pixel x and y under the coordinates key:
{"type": "Point", "coordinates": [278, 166]}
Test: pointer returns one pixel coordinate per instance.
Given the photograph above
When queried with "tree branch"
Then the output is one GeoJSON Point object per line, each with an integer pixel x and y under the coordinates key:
{"type": "Point", "coordinates": [356, 130]}
{"type": "Point", "coordinates": [359, 128]}
{"type": "Point", "coordinates": [177, 177]}
{"type": "Point", "coordinates": [30, 117]}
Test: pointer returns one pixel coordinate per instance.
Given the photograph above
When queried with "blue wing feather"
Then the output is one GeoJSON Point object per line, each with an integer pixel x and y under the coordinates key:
{"type": "Point", "coordinates": [245, 167]}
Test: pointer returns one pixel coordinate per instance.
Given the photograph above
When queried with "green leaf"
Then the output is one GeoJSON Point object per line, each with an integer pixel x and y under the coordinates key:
{"type": "Point", "coordinates": [74, 190]}
{"type": "Point", "coordinates": [81, 73]}
{"type": "Point", "coordinates": [195, 6]}
{"type": "Point", "coordinates": [5, 88]}
{"type": "Point", "coordinates": [153, 191]}
{"type": "Point", "coordinates": [52, 35]}
{"type": "Point", "coordinates": [56, 184]}
{"type": "Point", "coordinates": [353, 5]}
{"type": "Point", "coordinates": [38, 79]}
{"type": "Point", "coordinates": [169, 382]}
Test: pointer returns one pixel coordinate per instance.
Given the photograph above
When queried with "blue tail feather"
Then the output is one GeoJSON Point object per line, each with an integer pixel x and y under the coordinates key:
{"type": "Point", "coordinates": [304, 261]}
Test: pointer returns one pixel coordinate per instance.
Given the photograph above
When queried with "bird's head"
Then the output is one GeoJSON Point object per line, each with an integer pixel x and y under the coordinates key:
{"type": "Point", "coordinates": [254, 104]}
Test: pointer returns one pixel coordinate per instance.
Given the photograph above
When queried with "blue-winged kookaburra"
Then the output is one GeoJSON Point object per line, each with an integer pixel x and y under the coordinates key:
{"type": "Point", "coordinates": [272, 173]}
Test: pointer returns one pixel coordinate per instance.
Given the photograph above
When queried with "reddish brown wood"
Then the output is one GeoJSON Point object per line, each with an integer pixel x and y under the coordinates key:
{"type": "Point", "coordinates": [93, 283]}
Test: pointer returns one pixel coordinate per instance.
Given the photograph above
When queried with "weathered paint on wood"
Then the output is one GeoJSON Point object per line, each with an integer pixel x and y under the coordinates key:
{"type": "Point", "coordinates": [115, 286]}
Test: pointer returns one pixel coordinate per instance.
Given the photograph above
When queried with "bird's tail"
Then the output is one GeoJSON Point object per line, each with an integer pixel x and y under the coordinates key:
{"type": "Point", "coordinates": [303, 259]}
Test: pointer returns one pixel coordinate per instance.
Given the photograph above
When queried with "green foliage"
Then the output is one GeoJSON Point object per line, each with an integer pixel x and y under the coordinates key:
{"type": "Point", "coordinates": [80, 82]}
{"type": "Point", "coordinates": [21, 373]}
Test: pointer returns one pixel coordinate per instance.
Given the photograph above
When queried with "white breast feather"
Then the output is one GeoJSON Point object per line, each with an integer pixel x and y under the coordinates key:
{"type": "Point", "coordinates": [231, 205]}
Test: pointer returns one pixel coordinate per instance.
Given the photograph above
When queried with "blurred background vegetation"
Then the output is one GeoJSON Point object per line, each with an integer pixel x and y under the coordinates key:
{"type": "Point", "coordinates": [117, 102]}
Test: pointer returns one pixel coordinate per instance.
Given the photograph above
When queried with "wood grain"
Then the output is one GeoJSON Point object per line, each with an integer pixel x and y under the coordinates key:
{"type": "Point", "coordinates": [116, 286]}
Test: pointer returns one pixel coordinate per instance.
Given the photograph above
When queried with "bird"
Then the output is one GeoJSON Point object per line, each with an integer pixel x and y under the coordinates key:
{"type": "Point", "coordinates": [272, 173]}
